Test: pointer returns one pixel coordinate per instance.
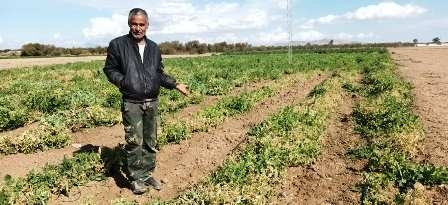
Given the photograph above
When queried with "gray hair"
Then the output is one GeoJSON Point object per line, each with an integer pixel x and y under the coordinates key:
{"type": "Point", "coordinates": [135, 12]}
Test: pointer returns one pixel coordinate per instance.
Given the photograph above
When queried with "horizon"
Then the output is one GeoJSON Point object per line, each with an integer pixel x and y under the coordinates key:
{"type": "Point", "coordinates": [95, 23]}
{"type": "Point", "coordinates": [321, 42]}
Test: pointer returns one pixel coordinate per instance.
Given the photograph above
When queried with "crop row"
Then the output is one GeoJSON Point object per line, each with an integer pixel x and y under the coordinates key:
{"type": "Point", "coordinates": [384, 118]}
{"type": "Point", "coordinates": [37, 187]}
{"type": "Point", "coordinates": [27, 94]}
{"type": "Point", "coordinates": [290, 137]}
{"type": "Point", "coordinates": [63, 99]}
{"type": "Point", "coordinates": [309, 116]}
{"type": "Point", "coordinates": [51, 133]}
{"type": "Point", "coordinates": [229, 106]}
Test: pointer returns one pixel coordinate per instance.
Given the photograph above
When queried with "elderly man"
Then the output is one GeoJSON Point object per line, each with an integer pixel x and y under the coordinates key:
{"type": "Point", "coordinates": [134, 65]}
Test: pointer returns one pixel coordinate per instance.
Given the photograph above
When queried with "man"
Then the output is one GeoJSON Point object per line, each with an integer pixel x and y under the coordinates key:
{"type": "Point", "coordinates": [134, 65]}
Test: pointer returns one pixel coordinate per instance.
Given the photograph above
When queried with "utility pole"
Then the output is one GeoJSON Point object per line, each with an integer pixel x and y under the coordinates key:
{"type": "Point", "coordinates": [289, 23]}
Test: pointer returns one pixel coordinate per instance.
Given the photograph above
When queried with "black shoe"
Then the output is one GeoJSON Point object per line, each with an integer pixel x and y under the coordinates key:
{"type": "Point", "coordinates": [138, 187]}
{"type": "Point", "coordinates": [154, 183]}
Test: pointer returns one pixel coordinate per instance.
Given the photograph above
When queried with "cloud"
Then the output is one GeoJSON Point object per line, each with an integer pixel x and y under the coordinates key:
{"type": "Point", "coordinates": [359, 36]}
{"type": "Point", "coordinates": [227, 37]}
{"type": "Point", "coordinates": [214, 17]}
{"type": "Point", "coordinates": [1, 39]}
{"type": "Point", "coordinates": [57, 35]}
{"type": "Point", "coordinates": [106, 27]}
{"type": "Point", "coordinates": [176, 17]}
{"type": "Point", "coordinates": [310, 35]}
{"type": "Point", "coordinates": [365, 35]}
{"type": "Point", "coordinates": [282, 4]}
{"type": "Point", "coordinates": [344, 36]}
{"type": "Point", "coordinates": [384, 10]}
{"type": "Point", "coordinates": [321, 20]}
{"type": "Point", "coordinates": [276, 36]}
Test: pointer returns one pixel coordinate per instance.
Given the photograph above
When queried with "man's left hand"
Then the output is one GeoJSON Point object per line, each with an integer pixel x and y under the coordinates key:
{"type": "Point", "coordinates": [182, 89]}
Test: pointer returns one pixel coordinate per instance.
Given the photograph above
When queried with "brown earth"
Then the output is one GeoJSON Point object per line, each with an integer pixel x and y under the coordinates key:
{"type": "Point", "coordinates": [100, 136]}
{"type": "Point", "coordinates": [183, 165]}
{"type": "Point", "coordinates": [333, 177]}
{"type": "Point", "coordinates": [427, 70]}
{"type": "Point", "coordinates": [28, 62]}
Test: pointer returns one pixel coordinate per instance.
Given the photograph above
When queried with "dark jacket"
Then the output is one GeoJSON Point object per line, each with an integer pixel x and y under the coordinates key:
{"type": "Point", "coordinates": [136, 80]}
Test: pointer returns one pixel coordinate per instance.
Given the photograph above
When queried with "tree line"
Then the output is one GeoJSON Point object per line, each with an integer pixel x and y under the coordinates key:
{"type": "Point", "coordinates": [173, 47]}
{"type": "Point", "coordinates": [37, 49]}
{"type": "Point", "coordinates": [196, 47]}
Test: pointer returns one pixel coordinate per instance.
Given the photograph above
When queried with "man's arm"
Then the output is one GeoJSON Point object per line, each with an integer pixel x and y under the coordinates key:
{"type": "Point", "coordinates": [112, 67]}
{"type": "Point", "coordinates": [169, 82]}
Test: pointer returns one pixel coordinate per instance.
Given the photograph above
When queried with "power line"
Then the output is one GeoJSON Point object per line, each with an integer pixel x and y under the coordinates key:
{"type": "Point", "coordinates": [289, 23]}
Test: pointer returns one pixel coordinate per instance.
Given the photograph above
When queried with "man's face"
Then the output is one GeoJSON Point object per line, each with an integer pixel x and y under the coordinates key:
{"type": "Point", "coordinates": [138, 26]}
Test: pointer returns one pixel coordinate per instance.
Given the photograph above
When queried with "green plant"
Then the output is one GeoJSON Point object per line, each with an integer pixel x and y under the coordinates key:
{"type": "Point", "coordinates": [37, 187]}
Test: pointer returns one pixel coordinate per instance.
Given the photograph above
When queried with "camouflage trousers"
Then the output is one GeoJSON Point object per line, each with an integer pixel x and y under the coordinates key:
{"type": "Point", "coordinates": [140, 126]}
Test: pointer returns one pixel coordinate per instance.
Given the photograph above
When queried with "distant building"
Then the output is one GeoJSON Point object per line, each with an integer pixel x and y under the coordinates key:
{"type": "Point", "coordinates": [431, 44]}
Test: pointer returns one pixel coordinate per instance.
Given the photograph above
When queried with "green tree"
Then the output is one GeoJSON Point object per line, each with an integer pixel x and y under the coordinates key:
{"type": "Point", "coordinates": [31, 49]}
{"type": "Point", "coordinates": [203, 48]}
{"type": "Point", "coordinates": [168, 48]}
{"type": "Point", "coordinates": [192, 46]}
{"type": "Point", "coordinates": [436, 40]}
{"type": "Point", "coordinates": [75, 51]}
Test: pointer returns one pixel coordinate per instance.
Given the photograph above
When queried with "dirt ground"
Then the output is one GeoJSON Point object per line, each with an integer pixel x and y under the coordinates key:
{"type": "Point", "coordinates": [427, 70]}
{"type": "Point", "coordinates": [333, 177]}
{"type": "Point", "coordinates": [183, 165]}
{"type": "Point", "coordinates": [179, 166]}
{"type": "Point", "coordinates": [29, 62]}
{"type": "Point", "coordinates": [330, 180]}
{"type": "Point", "coordinates": [100, 136]}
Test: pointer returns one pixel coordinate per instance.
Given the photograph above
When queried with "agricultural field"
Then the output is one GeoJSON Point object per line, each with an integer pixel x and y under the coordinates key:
{"type": "Point", "coordinates": [339, 126]}
{"type": "Point", "coordinates": [9, 63]}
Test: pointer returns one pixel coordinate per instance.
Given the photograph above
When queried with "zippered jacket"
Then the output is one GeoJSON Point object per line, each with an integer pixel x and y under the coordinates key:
{"type": "Point", "coordinates": [136, 80]}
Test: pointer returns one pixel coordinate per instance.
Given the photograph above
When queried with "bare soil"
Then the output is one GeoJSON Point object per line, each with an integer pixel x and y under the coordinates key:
{"type": "Point", "coordinates": [426, 69]}
{"type": "Point", "coordinates": [333, 177]}
{"type": "Point", "coordinates": [29, 62]}
{"type": "Point", "coordinates": [183, 165]}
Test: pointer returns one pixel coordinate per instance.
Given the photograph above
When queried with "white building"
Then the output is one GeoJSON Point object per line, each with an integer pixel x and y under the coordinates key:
{"type": "Point", "coordinates": [431, 44]}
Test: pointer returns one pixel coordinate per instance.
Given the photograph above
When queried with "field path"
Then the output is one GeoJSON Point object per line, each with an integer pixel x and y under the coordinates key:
{"type": "Point", "coordinates": [183, 165]}
{"type": "Point", "coordinates": [332, 178]}
{"type": "Point", "coordinates": [427, 70]}
{"type": "Point", "coordinates": [29, 62]}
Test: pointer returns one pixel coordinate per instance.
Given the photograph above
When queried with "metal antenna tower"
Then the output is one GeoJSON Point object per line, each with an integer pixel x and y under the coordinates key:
{"type": "Point", "coordinates": [289, 23]}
